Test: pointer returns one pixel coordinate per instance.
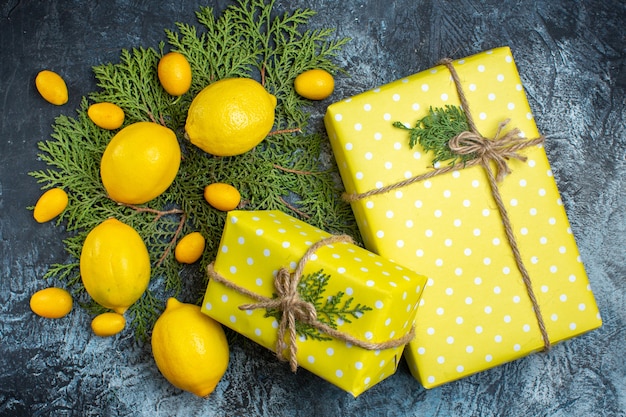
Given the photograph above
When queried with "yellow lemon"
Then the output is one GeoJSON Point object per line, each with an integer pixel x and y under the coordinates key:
{"type": "Point", "coordinates": [106, 115]}
{"type": "Point", "coordinates": [222, 196]}
{"type": "Point", "coordinates": [140, 162]}
{"type": "Point", "coordinates": [52, 303]}
{"type": "Point", "coordinates": [189, 348]}
{"type": "Point", "coordinates": [230, 116]}
{"type": "Point", "coordinates": [114, 265]}
{"type": "Point", "coordinates": [51, 87]}
{"type": "Point", "coordinates": [174, 73]}
{"type": "Point", "coordinates": [189, 249]}
{"type": "Point", "coordinates": [108, 324]}
{"type": "Point", "coordinates": [50, 204]}
{"type": "Point", "coordinates": [315, 84]}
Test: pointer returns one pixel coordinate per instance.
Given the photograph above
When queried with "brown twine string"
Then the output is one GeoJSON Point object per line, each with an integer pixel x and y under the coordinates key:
{"type": "Point", "coordinates": [295, 308]}
{"type": "Point", "coordinates": [498, 150]}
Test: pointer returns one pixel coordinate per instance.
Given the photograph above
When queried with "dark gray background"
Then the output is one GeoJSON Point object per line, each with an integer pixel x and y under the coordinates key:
{"type": "Point", "coordinates": [571, 55]}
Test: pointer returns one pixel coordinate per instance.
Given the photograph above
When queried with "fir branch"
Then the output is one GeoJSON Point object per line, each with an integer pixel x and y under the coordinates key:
{"type": "Point", "coordinates": [434, 131]}
{"type": "Point", "coordinates": [247, 40]}
{"type": "Point", "coordinates": [65, 273]}
{"type": "Point", "coordinates": [144, 312]}
{"type": "Point", "coordinates": [132, 84]}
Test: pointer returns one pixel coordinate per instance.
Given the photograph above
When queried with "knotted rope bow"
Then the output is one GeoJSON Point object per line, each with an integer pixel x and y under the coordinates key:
{"type": "Point", "coordinates": [294, 308]}
{"type": "Point", "coordinates": [498, 150]}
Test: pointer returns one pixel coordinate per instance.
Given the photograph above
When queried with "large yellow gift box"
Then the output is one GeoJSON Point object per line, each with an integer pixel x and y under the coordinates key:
{"type": "Point", "coordinates": [367, 303]}
{"type": "Point", "coordinates": [476, 311]}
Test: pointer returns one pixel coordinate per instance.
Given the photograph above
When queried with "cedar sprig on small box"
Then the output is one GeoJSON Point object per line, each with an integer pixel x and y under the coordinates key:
{"type": "Point", "coordinates": [329, 309]}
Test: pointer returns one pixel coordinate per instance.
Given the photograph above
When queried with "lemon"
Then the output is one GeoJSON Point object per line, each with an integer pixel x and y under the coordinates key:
{"type": "Point", "coordinates": [52, 87]}
{"type": "Point", "coordinates": [189, 348]}
{"type": "Point", "coordinates": [140, 162]}
{"type": "Point", "coordinates": [106, 115]}
{"type": "Point", "coordinates": [50, 204]}
{"type": "Point", "coordinates": [222, 196]}
{"type": "Point", "coordinates": [230, 116]}
{"type": "Point", "coordinates": [315, 84]}
{"type": "Point", "coordinates": [52, 303]}
{"type": "Point", "coordinates": [189, 249]}
{"type": "Point", "coordinates": [108, 324]}
{"type": "Point", "coordinates": [174, 73]}
{"type": "Point", "coordinates": [114, 265]}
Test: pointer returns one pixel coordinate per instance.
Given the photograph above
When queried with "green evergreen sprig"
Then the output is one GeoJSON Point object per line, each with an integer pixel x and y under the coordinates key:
{"type": "Point", "coordinates": [434, 131]}
{"type": "Point", "coordinates": [287, 171]}
{"type": "Point", "coordinates": [330, 309]}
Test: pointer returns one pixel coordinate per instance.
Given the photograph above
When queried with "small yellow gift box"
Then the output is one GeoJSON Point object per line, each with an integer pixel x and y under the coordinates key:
{"type": "Point", "coordinates": [479, 309]}
{"type": "Point", "coordinates": [363, 306]}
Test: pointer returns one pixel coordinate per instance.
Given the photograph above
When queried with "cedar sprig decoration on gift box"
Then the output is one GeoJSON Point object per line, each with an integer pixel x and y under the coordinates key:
{"type": "Point", "coordinates": [330, 309]}
{"type": "Point", "coordinates": [433, 133]}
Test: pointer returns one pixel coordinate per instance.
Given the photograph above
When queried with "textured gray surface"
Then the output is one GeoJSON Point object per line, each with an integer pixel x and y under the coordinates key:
{"type": "Point", "coordinates": [572, 59]}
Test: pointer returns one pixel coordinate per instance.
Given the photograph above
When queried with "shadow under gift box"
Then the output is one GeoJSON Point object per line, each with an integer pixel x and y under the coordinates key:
{"type": "Point", "coordinates": [475, 312]}
{"type": "Point", "coordinates": [255, 245]}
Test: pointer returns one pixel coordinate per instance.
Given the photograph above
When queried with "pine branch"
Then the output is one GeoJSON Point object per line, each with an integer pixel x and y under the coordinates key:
{"type": "Point", "coordinates": [246, 40]}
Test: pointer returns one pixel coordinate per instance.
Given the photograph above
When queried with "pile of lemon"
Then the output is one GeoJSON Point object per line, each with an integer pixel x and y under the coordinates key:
{"type": "Point", "coordinates": [227, 118]}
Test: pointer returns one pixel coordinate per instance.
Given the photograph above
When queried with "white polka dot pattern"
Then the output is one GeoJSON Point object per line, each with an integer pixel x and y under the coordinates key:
{"type": "Point", "coordinates": [475, 312]}
{"type": "Point", "coordinates": [256, 244]}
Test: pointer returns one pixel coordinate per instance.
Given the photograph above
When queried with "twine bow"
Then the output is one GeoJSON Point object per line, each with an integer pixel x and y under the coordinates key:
{"type": "Point", "coordinates": [498, 150]}
{"type": "Point", "coordinates": [294, 308]}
